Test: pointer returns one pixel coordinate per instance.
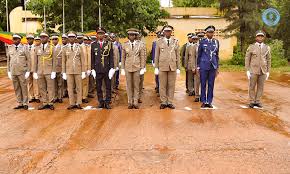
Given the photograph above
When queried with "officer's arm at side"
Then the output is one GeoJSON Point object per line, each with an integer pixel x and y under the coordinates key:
{"type": "Point", "coordinates": [268, 58]}
{"type": "Point", "coordinates": [178, 55]}
{"type": "Point", "coordinates": [248, 59]}
{"type": "Point", "coordinates": [199, 54]}
{"type": "Point", "coordinates": [157, 53]}
{"type": "Point", "coordinates": [123, 57]}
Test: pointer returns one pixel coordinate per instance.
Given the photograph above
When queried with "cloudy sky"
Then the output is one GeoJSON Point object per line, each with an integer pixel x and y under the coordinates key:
{"type": "Point", "coordinates": [165, 3]}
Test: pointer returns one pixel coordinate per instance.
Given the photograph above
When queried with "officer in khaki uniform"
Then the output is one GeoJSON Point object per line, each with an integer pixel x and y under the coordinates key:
{"type": "Point", "coordinates": [73, 69]}
{"type": "Point", "coordinates": [58, 66]}
{"type": "Point", "coordinates": [33, 92]}
{"type": "Point", "coordinates": [167, 65]}
{"type": "Point", "coordinates": [258, 64]}
{"type": "Point", "coordinates": [191, 64]}
{"type": "Point", "coordinates": [116, 60]}
{"type": "Point", "coordinates": [64, 44]}
{"type": "Point", "coordinates": [86, 46]}
{"type": "Point", "coordinates": [44, 71]}
{"type": "Point", "coordinates": [144, 68]}
{"type": "Point", "coordinates": [18, 67]}
{"type": "Point", "coordinates": [133, 63]}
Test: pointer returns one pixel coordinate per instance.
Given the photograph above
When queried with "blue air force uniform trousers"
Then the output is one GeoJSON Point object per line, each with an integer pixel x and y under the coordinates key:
{"type": "Point", "coordinates": [208, 62]}
{"type": "Point", "coordinates": [153, 61]}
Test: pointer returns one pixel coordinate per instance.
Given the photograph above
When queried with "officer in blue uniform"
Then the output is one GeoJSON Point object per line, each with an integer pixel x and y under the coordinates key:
{"type": "Point", "coordinates": [208, 64]}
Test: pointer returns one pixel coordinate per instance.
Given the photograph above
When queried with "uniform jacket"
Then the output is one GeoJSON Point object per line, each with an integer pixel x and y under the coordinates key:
{"type": "Point", "coordinates": [208, 54]}
{"type": "Point", "coordinates": [18, 60]}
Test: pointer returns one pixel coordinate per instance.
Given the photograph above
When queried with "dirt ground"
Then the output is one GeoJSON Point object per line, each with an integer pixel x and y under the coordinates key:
{"type": "Point", "coordinates": [187, 140]}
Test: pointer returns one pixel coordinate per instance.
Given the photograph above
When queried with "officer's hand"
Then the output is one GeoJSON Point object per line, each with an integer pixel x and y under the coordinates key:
{"type": "Point", "coordinates": [216, 73]}
{"type": "Point", "coordinates": [111, 73]}
{"type": "Point", "coordinates": [267, 75]}
{"type": "Point", "coordinates": [94, 73]}
{"type": "Point", "coordinates": [142, 72]}
{"type": "Point", "coordinates": [64, 76]}
{"type": "Point", "coordinates": [117, 68]}
{"type": "Point", "coordinates": [177, 71]}
{"type": "Point", "coordinates": [53, 75]}
{"type": "Point", "coordinates": [120, 63]}
{"type": "Point", "coordinates": [122, 72]}
{"type": "Point", "coordinates": [145, 70]}
{"type": "Point", "coordinates": [156, 71]}
{"type": "Point", "coordinates": [153, 64]}
{"type": "Point", "coordinates": [248, 74]}
{"type": "Point", "coordinates": [88, 72]}
{"type": "Point", "coordinates": [9, 75]}
{"type": "Point", "coordinates": [194, 71]}
{"type": "Point", "coordinates": [35, 76]}
{"type": "Point", "coordinates": [27, 75]}
{"type": "Point", "coordinates": [83, 75]}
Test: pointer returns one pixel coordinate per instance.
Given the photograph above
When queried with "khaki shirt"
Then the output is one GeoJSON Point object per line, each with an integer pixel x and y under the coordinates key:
{"type": "Point", "coordinates": [44, 59]}
{"type": "Point", "coordinates": [191, 57]}
{"type": "Point", "coordinates": [167, 58]}
{"type": "Point", "coordinates": [73, 59]}
{"type": "Point", "coordinates": [87, 56]}
{"type": "Point", "coordinates": [18, 60]}
{"type": "Point", "coordinates": [58, 57]}
{"type": "Point", "coordinates": [133, 59]}
{"type": "Point", "coordinates": [258, 59]}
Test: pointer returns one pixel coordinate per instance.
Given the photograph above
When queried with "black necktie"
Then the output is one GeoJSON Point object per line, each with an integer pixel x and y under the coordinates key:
{"type": "Point", "coordinates": [16, 47]}
{"type": "Point", "coordinates": [132, 46]}
{"type": "Point", "coordinates": [29, 47]}
{"type": "Point", "coordinates": [42, 47]}
{"type": "Point", "coordinates": [168, 42]}
{"type": "Point", "coordinates": [71, 47]}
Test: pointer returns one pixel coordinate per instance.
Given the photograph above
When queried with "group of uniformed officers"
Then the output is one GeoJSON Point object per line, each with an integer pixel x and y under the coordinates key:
{"type": "Point", "coordinates": [46, 71]}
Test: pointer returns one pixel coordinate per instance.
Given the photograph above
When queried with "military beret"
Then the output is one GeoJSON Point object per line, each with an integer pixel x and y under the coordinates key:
{"type": "Point", "coordinates": [64, 36]}
{"type": "Point", "coordinates": [44, 33]}
{"type": "Point", "coordinates": [17, 36]}
{"type": "Point", "coordinates": [167, 28]}
{"type": "Point", "coordinates": [133, 31]}
{"type": "Point", "coordinates": [30, 36]}
{"type": "Point", "coordinates": [210, 28]}
{"type": "Point", "coordinates": [100, 30]}
{"type": "Point", "coordinates": [260, 33]}
{"type": "Point", "coordinates": [71, 34]}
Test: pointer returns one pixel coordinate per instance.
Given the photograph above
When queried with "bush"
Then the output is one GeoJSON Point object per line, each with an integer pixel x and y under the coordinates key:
{"type": "Point", "coordinates": [278, 53]}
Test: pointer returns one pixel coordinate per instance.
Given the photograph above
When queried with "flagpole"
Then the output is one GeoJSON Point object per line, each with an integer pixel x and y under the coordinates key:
{"type": "Point", "coordinates": [63, 18]}
{"type": "Point", "coordinates": [44, 18]}
{"type": "Point", "coordinates": [82, 15]}
{"type": "Point", "coordinates": [25, 16]}
{"type": "Point", "coordinates": [7, 17]}
{"type": "Point", "coordinates": [100, 18]}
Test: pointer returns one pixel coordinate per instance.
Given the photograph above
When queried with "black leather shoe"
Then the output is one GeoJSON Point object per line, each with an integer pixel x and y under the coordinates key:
{"type": "Point", "coordinates": [55, 100]}
{"type": "Point", "coordinates": [41, 107]}
{"type": "Point", "coordinates": [251, 105]}
{"type": "Point", "coordinates": [91, 96]}
{"type": "Point", "coordinates": [196, 100]}
{"type": "Point", "coordinates": [107, 106]}
{"type": "Point", "coordinates": [171, 106]}
{"type": "Point", "coordinates": [139, 101]}
{"type": "Point", "coordinates": [259, 105]}
{"type": "Point", "coordinates": [101, 105]}
{"type": "Point", "coordinates": [51, 107]}
{"type": "Point", "coordinates": [203, 105]}
{"type": "Point", "coordinates": [60, 101]}
{"type": "Point", "coordinates": [18, 107]}
{"type": "Point", "coordinates": [130, 106]}
{"type": "Point", "coordinates": [37, 100]}
{"type": "Point", "coordinates": [78, 107]}
{"type": "Point", "coordinates": [163, 106]}
{"type": "Point", "coordinates": [70, 107]}
{"type": "Point", "coordinates": [190, 94]}
{"type": "Point", "coordinates": [136, 106]}
{"type": "Point", "coordinates": [85, 101]}
{"type": "Point", "coordinates": [25, 107]}
{"type": "Point", "coordinates": [209, 105]}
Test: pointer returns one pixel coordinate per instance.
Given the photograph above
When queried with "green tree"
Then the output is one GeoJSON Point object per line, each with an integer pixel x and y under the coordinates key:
{"type": "Point", "coordinates": [195, 3]}
{"type": "Point", "coordinates": [11, 5]}
{"type": "Point", "coordinates": [245, 18]}
{"type": "Point", "coordinates": [117, 16]}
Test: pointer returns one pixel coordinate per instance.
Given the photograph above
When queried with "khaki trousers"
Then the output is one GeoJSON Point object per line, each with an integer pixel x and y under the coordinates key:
{"type": "Point", "coordinates": [33, 91]}
{"type": "Point", "coordinates": [189, 79]}
{"type": "Point", "coordinates": [59, 82]}
{"type": "Point", "coordinates": [141, 85]}
{"type": "Point", "coordinates": [20, 88]}
{"type": "Point", "coordinates": [85, 87]}
{"type": "Point", "coordinates": [74, 81]}
{"type": "Point", "coordinates": [46, 88]}
{"type": "Point", "coordinates": [167, 86]}
{"type": "Point", "coordinates": [133, 86]}
{"type": "Point", "coordinates": [256, 87]}
{"type": "Point", "coordinates": [197, 84]}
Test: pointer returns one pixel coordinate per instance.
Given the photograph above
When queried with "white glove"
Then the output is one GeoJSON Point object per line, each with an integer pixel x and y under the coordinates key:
{"type": "Point", "coordinates": [122, 72]}
{"type": "Point", "coordinates": [142, 72]}
{"type": "Point", "coordinates": [145, 70]}
{"type": "Point", "coordinates": [117, 69]}
{"type": "Point", "coordinates": [267, 75]}
{"type": "Point", "coordinates": [156, 71]}
{"type": "Point", "coordinates": [53, 75]}
{"type": "Point", "coordinates": [64, 76]}
{"type": "Point", "coordinates": [27, 75]}
{"type": "Point", "coordinates": [120, 63]}
{"type": "Point", "coordinates": [94, 73]}
{"type": "Point", "coordinates": [88, 72]}
{"type": "Point", "coordinates": [248, 74]}
{"type": "Point", "coordinates": [153, 64]}
{"type": "Point", "coordinates": [111, 73]}
{"type": "Point", "coordinates": [83, 75]}
{"type": "Point", "coordinates": [9, 75]}
{"type": "Point", "coordinates": [177, 71]}
{"type": "Point", "coordinates": [35, 75]}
